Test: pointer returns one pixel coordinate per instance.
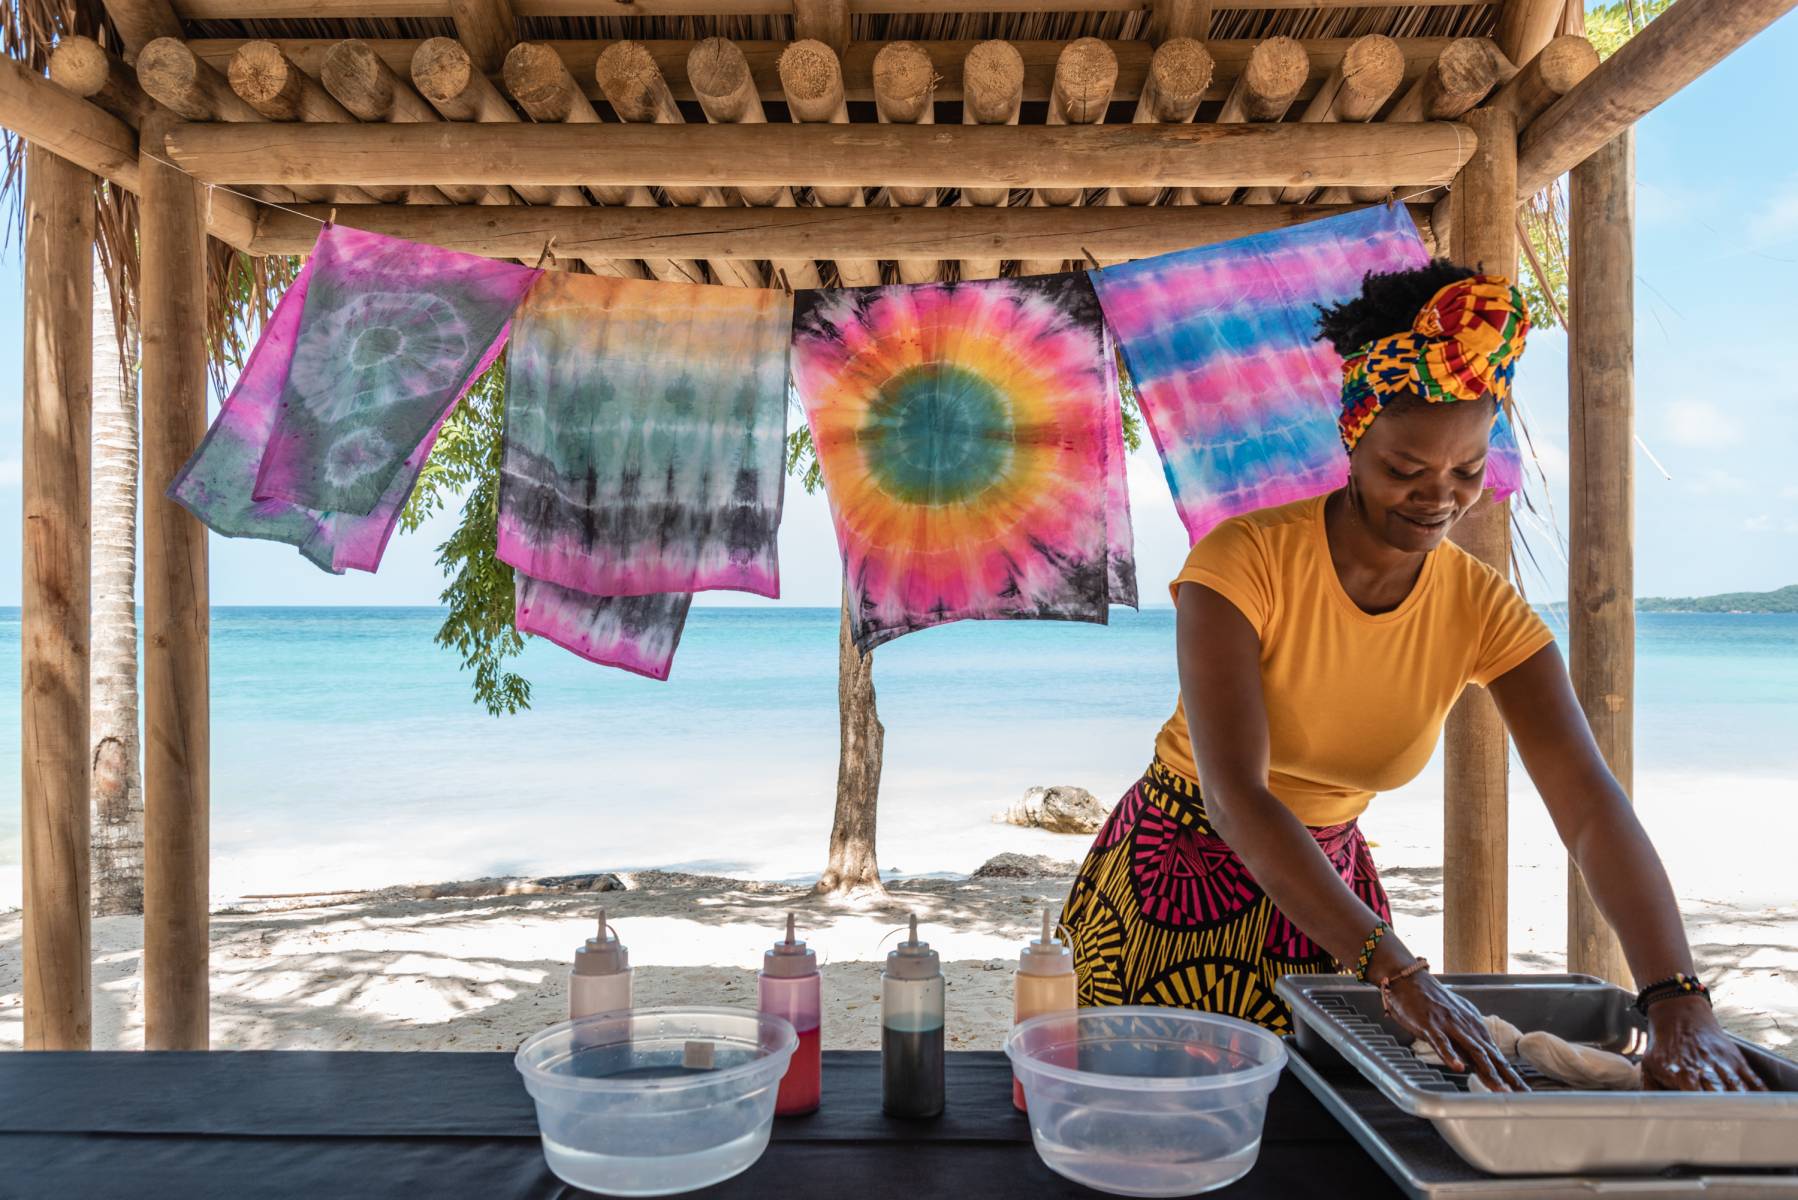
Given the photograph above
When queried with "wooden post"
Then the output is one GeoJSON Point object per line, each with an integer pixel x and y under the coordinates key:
{"type": "Point", "coordinates": [1601, 556]}
{"type": "Point", "coordinates": [54, 776]}
{"type": "Point", "coordinates": [172, 306]}
{"type": "Point", "coordinates": [1475, 851]}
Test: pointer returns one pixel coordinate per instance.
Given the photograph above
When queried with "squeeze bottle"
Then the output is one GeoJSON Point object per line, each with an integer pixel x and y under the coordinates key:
{"type": "Point", "coordinates": [601, 978]}
{"type": "Point", "coordinates": [911, 1030]}
{"type": "Point", "coordinates": [1044, 983]}
{"type": "Point", "coordinates": [789, 986]}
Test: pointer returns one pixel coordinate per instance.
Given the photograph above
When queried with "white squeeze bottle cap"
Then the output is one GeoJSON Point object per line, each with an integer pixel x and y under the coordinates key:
{"type": "Point", "coordinates": [913, 959]}
{"type": "Point", "coordinates": [1046, 956]}
{"type": "Point", "coordinates": [789, 959]}
{"type": "Point", "coordinates": [602, 955]}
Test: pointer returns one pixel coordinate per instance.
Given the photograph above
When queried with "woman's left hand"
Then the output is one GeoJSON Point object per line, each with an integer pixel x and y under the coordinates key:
{"type": "Point", "coordinates": [1689, 1052]}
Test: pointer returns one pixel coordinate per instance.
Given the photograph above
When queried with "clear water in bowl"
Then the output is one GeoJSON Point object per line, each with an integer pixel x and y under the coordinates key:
{"type": "Point", "coordinates": [660, 1174]}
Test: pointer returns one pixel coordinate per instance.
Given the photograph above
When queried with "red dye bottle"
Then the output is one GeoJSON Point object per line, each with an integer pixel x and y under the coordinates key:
{"type": "Point", "coordinates": [791, 987]}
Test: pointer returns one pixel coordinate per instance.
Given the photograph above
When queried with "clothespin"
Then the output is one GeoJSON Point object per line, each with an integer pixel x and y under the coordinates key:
{"type": "Point", "coordinates": [1091, 259]}
{"type": "Point", "coordinates": [780, 274]}
{"type": "Point", "coordinates": [332, 219]}
{"type": "Point", "coordinates": [544, 257]}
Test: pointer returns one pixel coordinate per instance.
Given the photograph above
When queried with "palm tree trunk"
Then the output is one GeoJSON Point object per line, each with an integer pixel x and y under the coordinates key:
{"type": "Point", "coordinates": [853, 867]}
{"type": "Point", "coordinates": [118, 797]}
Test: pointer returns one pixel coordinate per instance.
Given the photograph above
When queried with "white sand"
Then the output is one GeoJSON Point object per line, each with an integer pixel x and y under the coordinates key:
{"type": "Point", "coordinates": [383, 970]}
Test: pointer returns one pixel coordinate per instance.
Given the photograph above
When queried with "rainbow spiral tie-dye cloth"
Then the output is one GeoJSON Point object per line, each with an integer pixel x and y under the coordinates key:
{"type": "Point", "coordinates": [644, 458]}
{"type": "Point", "coordinates": [392, 334]}
{"type": "Point", "coordinates": [1220, 344]}
{"type": "Point", "coordinates": [970, 442]}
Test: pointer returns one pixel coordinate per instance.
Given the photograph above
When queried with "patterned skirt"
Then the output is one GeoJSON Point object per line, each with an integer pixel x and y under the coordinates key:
{"type": "Point", "coordinates": [1164, 913]}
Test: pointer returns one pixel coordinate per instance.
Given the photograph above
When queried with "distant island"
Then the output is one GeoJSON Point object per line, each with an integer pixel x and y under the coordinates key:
{"type": "Point", "coordinates": [1785, 600]}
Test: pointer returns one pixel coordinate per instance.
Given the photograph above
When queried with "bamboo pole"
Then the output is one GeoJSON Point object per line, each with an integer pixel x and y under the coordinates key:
{"type": "Point", "coordinates": [1179, 74]}
{"type": "Point", "coordinates": [1085, 75]}
{"type": "Point", "coordinates": [1463, 76]}
{"type": "Point", "coordinates": [702, 156]}
{"type": "Point", "coordinates": [904, 87]}
{"type": "Point", "coordinates": [806, 232]}
{"type": "Point", "coordinates": [487, 29]}
{"type": "Point", "coordinates": [1675, 48]}
{"type": "Point", "coordinates": [1601, 533]}
{"type": "Point", "coordinates": [141, 22]}
{"type": "Point", "coordinates": [824, 21]}
{"type": "Point", "coordinates": [992, 94]}
{"type": "Point", "coordinates": [720, 76]}
{"type": "Point", "coordinates": [1263, 92]}
{"type": "Point", "coordinates": [55, 603]}
{"type": "Point", "coordinates": [634, 85]}
{"type": "Point", "coordinates": [543, 87]}
{"type": "Point", "coordinates": [364, 84]}
{"type": "Point", "coordinates": [172, 307]}
{"type": "Point", "coordinates": [266, 80]}
{"type": "Point", "coordinates": [811, 80]}
{"type": "Point", "coordinates": [1356, 90]}
{"type": "Point", "coordinates": [1476, 852]}
{"type": "Point", "coordinates": [86, 68]}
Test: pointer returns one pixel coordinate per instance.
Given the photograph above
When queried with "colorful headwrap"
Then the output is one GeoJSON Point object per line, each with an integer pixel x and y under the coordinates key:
{"type": "Point", "coordinates": [1463, 345]}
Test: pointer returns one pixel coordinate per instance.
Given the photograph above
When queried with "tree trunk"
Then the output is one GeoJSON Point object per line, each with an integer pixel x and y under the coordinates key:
{"type": "Point", "coordinates": [118, 794]}
{"type": "Point", "coordinates": [853, 867]}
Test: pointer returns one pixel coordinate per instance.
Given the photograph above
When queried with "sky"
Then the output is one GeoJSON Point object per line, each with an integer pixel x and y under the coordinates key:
{"type": "Point", "coordinates": [1716, 391]}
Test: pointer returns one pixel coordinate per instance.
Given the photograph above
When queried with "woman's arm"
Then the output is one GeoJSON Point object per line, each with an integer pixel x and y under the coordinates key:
{"type": "Point", "coordinates": [1621, 869]}
{"type": "Point", "coordinates": [1226, 715]}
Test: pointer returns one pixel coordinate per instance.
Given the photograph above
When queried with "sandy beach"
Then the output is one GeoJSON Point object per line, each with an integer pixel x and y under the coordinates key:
{"type": "Point", "coordinates": [389, 970]}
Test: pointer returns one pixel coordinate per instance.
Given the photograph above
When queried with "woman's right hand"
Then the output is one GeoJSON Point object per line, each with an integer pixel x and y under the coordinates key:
{"type": "Point", "coordinates": [1454, 1029]}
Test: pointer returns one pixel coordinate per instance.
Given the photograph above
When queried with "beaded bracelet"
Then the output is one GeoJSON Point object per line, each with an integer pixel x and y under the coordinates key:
{"type": "Point", "coordinates": [1678, 985]}
{"type": "Point", "coordinates": [1421, 964]}
{"type": "Point", "coordinates": [1367, 949]}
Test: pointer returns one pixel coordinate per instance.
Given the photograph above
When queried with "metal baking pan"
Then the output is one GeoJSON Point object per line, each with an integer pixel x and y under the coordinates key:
{"type": "Point", "coordinates": [1551, 1131]}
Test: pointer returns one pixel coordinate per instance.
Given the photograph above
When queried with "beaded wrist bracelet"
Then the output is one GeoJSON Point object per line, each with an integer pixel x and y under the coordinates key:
{"type": "Point", "coordinates": [1678, 985]}
{"type": "Point", "coordinates": [1367, 949]}
{"type": "Point", "coordinates": [1421, 964]}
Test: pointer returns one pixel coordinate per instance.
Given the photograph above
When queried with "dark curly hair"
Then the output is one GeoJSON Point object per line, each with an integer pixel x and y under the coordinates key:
{"type": "Point", "coordinates": [1388, 303]}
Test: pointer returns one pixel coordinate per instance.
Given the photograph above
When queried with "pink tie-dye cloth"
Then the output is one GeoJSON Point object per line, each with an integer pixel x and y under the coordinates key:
{"type": "Point", "coordinates": [1220, 343]}
{"type": "Point", "coordinates": [382, 433]}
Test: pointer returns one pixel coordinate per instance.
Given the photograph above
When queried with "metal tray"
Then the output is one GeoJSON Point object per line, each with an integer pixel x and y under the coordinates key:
{"type": "Point", "coordinates": [1549, 1132]}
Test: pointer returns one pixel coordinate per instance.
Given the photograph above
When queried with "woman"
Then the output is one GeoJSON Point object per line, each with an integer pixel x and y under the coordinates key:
{"type": "Point", "coordinates": [1321, 644]}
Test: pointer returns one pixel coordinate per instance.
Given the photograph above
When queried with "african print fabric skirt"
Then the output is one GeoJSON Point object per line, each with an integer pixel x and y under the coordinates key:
{"type": "Point", "coordinates": [1164, 912]}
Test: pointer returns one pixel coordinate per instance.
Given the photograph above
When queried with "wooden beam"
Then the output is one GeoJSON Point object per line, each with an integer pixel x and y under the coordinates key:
{"type": "Point", "coordinates": [721, 76]}
{"type": "Point", "coordinates": [269, 82]}
{"type": "Point", "coordinates": [1267, 87]}
{"type": "Point", "coordinates": [1677, 47]}
{"type": "Point", "coordinates": [821, 233]}
{"type": "Point", "coordinates": [54, 785]}
{"type": "Point", "coordinates": [141, 22]}
{"type": "Point", "coordinates": [1370, 73]}
{"type": "Point", "coordinates": [824, 21]}
{"type": "Point", "coordinates": [811, 79]}
{"type": "Point", "coordinates": [1466, 72]}
{"type": "Point", "coordinates": [1476, 832]}
{"type": "Point", "coordinates": [1231, 56]}
{"type": "Point", "coordinates": [172, 308]}
{"type": "Point", "coordinates": [67, 126]}
{"type": "Point", "coordinates": [1169, 19]}
{"type": "Point", "coordinates": [1178, 76]}
{"type": "Point", "coordinates": [1601, 532]}
{"type": "Point", "coordinates": [992, 94]}
{"type": "Point", "coordinates": [904, 93]}
{"type": "Point", "coordinates": [488, 29]}
{"type": "Point", "coordinates": [698, 156]}
{"type": "Point", "coordinates": [1554, 72]}
{"type": "Point", "coordinates": [1525, 26]}
{"type": "Point", "coordinates": [86, 68]}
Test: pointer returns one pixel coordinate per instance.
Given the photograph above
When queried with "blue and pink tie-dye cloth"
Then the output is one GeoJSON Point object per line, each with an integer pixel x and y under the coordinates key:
{"type": "Point", "coordinates": [1220, 343]}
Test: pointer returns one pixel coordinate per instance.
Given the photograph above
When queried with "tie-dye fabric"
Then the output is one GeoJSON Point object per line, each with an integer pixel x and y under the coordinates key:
{"type": "Point", "coordinates": [644, 458]}
{"type": "Point", "coordinates": [969, 440]}
{"type": "Point", "coordinates": [645, 436]}
{"type": "Point", "coordinates": [1220, 345]}
{"type": "Point", "coordinates": [392, 334]}
{"type": "Point", "coordinates": [218, 481]}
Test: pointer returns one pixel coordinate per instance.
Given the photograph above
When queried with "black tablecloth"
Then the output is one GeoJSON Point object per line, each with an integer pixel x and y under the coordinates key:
{"type": "Point", "coordinates": [89, 1126]}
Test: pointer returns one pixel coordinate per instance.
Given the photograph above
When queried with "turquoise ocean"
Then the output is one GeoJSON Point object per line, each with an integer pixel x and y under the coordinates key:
{"type": "Point", "coordinates": [346, 749]}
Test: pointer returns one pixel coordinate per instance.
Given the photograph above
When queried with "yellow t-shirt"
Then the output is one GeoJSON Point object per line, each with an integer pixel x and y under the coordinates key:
{"type": "Point", "coordinates": [1355, 701]}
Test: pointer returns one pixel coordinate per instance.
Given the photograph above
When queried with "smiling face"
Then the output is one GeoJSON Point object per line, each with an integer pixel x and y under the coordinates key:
{"type": "Point", "coordinates": [1419, 467]}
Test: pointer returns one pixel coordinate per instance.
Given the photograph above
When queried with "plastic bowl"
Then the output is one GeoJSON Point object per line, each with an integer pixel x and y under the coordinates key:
{"type": "Point", "coordinates": [629, 1106]}
{"type": "Point", "coordinates": [1141, 1101]}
